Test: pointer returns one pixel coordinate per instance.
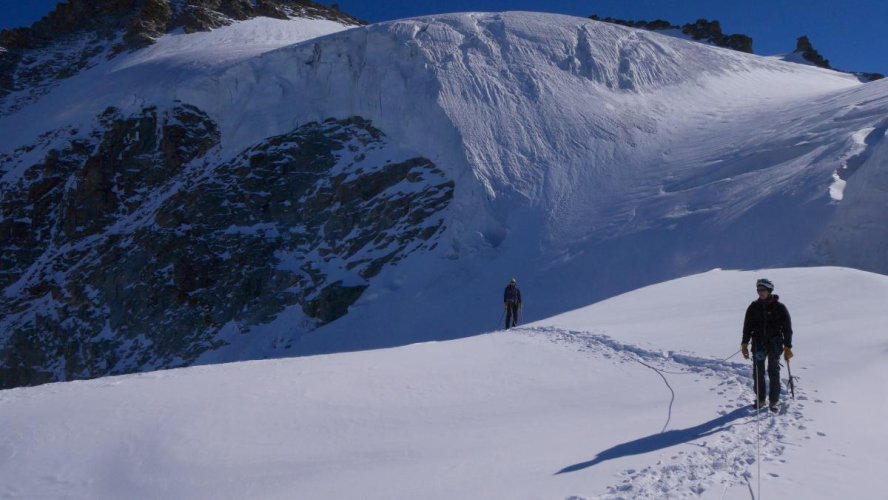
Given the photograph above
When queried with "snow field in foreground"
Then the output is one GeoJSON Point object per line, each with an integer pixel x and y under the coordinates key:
{"type": "Point", "coordinates": [627, 398]}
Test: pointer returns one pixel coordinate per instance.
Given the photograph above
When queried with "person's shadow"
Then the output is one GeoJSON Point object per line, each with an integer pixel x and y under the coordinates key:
{"type": "Point", "coordinates": [662, 440]}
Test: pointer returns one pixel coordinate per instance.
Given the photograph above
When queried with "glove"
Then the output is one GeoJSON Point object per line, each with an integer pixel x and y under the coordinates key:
{"type": "Point", "coordinates": [744, 349]}
{"type": "Point", "coordinates": [506, 306]}
{"type": "Point", "coordinates": [787, 353]}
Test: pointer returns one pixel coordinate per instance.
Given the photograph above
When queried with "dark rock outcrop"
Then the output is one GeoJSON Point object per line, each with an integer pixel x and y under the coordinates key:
{"type": "Point", "coordinates": [132, 246]}
{"type": "Point", "coordinates": [710, 31]}
{"type": "Point", "coordinates": [809, 53]}
{"type": "Point", "coordinates": [806, 50]}
{"type": "Point", "coordinates": [867, 77]}
{"type": "Point", "coordinates": [656, 25]}
{"type": "Point", "coordinates": [701, 30]}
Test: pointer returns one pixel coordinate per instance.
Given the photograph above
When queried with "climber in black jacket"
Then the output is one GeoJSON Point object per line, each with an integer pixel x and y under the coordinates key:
{"type": "Point", "coordinates": [769, 326]}
{"type": "Point", "coordinates": [512, 303]}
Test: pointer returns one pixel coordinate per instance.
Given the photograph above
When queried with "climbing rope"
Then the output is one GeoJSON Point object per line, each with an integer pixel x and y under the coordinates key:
{"type": "Point", "coordinates": [758, 412]}
{"type": "Point", "coordinates": [671, 401]}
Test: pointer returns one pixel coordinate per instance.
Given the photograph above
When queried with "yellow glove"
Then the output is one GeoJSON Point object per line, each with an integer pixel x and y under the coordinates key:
{"type": "Point", "coordinates": [787, 353]}
{"type": "Point", "coordinates": [744, 349]}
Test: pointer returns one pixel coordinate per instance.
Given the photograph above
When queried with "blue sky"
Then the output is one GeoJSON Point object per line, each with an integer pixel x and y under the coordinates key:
{"type": "Point", "coordinates": [850, 33]}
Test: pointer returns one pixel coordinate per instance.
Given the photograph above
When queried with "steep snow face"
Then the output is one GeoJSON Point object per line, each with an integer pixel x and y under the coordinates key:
{"type": "Point", "coordinates": [548, 109]}
{"type": "Point", "coordinates": [621, 399]}
{"type": "Point", "coordinates": [857, 234]}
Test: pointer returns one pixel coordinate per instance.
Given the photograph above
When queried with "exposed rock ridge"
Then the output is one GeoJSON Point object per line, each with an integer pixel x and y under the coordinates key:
{"type": "Point", "coordinates": [806, 50]}
{"type": "Point", "coordinates": [701, 30]}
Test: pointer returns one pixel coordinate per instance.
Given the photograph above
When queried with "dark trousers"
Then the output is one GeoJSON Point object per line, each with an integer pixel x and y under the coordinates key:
{"type": "Point", "coordinates": [773, 357]}
{"type": "Point", "coordinates": [511, 314]}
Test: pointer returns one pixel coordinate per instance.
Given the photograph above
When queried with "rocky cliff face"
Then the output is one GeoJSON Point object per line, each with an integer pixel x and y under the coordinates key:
{"type": "Point", "coordinates": [79, 34]}
{"type": "Point", "coordinates": [130, 246]}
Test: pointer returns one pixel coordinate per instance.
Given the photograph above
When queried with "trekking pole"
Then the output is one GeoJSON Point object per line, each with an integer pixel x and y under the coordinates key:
{"type": "Point", "coordinates": [791, 383]}
{"type": "Point", "coordinates": [500, 322]}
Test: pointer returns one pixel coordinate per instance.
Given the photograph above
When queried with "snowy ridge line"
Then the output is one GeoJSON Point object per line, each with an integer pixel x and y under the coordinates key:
{"type": "Point", "coordinates": [723, 449]}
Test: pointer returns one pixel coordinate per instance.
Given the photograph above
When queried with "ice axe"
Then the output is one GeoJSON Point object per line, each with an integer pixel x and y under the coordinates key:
{"type": "Point", "coordinates": [791, 383]}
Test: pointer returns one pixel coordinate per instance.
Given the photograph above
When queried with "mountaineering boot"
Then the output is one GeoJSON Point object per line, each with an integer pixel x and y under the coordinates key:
{"type": "Point", "coordinates": [774, 406]}
{"type": "Point", "coordinates": [759, 404]}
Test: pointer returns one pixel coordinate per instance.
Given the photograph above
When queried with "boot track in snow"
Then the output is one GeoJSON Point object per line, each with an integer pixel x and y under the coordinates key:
{"type": "Point", "coordinates": [718, 453]}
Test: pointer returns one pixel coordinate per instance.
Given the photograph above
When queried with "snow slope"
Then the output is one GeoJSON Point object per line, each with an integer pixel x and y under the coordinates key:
{"type": "Point", "coordinates": [589, 159]}
{"type": "Point", "coordinates": [230, 44]}
{"type": "Point", "coordinates": [629, 398]}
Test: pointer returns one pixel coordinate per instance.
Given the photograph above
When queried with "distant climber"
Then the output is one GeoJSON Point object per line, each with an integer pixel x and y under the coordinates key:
{"type": "Point", "coordinates": [768, 325]}
{"type": "Point", "coordinates": [512, 303]}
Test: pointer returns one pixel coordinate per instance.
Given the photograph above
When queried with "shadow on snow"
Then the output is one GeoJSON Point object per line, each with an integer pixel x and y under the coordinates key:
{"type": "Point", "coordinates": [662, 440]}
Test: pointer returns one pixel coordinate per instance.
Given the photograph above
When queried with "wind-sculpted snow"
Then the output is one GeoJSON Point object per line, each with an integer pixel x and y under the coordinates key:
{"type": "Point", "coordinates": [857, 236]}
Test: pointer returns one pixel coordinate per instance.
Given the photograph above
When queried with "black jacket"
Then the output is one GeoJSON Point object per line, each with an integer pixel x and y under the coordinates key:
{"type": "Point", "coordinates": [767, 321]}
{"type": "Point", "coordinates": [512, 295]}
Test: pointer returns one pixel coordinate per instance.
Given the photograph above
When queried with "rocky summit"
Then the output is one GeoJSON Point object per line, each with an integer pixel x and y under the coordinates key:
{"type": "Point", "coordinates": [805, 49]}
